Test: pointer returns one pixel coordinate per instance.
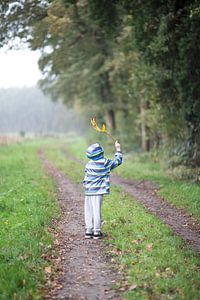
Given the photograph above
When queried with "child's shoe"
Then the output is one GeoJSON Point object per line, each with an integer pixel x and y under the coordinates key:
{"type": "Point", "coordinates": [89, 235]}
{"type": "Point", "coordinates": [97, 235]}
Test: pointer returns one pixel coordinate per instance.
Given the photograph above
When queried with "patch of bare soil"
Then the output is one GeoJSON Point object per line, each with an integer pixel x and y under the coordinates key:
{"type": "Point", "coordinates": [178, 220]}
{"type": "Point", "coordinates": [85, 270]}
{"type": "Point", "coordinates": [7, 140]}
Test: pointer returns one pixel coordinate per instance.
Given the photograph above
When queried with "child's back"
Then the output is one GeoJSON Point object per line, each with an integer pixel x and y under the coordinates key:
{"type": "Point", "coordinates": [97, 184]}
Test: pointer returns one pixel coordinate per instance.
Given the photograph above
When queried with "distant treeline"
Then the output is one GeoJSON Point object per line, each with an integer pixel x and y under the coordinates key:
{"type": "Point", "coordinates": [29, 111]}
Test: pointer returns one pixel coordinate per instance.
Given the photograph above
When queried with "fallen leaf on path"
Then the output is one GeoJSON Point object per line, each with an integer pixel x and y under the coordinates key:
{"type": "Point", "coordinates": [23, 257]}
{"type": "Point", "coordinates": [58, 260]}
{"type": "Point", "coordinates": [57, 286]}
{"type": "Point", "coordinates": [149, 247]}
{"type": "Point", "coordinates": [122, 267]}
{"type": "Point", "coordinates": [116, 252]}
{"type": "Point", "coordinates": [133, 287]}
{"type": "Point", "coordinates": [135, 242]}
{"type": "Point", "coordinates": [47, 270]}
{"type": "Point", "coordinates": [56, 242]}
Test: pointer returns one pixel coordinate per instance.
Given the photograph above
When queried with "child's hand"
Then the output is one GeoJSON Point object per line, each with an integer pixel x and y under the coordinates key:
{"type": "Point", "coordinates": [117, 146]}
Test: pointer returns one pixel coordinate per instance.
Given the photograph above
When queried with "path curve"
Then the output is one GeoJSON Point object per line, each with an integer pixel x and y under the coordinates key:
{"type": "Point", "coordinates": [87, 272]}
{"type": "Point", "coordinates": [144, 192]}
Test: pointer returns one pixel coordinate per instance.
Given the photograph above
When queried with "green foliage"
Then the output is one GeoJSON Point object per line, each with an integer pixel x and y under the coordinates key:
{"type": "Point", "coordinates": [135, 62]}
{"type": "Point", "coordinates": [168, 37]}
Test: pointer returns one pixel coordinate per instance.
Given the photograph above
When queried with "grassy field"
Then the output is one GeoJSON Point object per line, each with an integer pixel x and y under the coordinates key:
{"type": "Point", "coordinates": [156, 263]}
{"type": "Point", "coordinates": [27, 206]}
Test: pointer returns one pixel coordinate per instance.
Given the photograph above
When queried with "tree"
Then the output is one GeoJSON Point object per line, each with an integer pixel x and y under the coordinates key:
{"type": "Point", "coordinates": [131, 61]}
{"type": "Point", "coordinates": [166, 35]}
{"type": "Point", "coordinates": [75, 38]}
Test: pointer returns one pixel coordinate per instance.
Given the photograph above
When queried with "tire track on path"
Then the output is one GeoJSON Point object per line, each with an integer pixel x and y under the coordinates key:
{"type": "Point", "coordinates": [87, 270]}
{"type": "Point", "coordinates": [180, 222]}
{"type": "Point", "coordinates": [144, 192]}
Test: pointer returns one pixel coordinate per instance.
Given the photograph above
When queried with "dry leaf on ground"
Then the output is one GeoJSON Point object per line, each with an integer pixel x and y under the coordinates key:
{"type": "Point", "coordinates": [47, 270]}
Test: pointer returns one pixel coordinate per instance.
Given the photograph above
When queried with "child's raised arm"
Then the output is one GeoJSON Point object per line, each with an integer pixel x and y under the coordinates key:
{"type": "Point", "coordinates": [117, 146]}
{"type": "Point", "coordinates": [112, 164]}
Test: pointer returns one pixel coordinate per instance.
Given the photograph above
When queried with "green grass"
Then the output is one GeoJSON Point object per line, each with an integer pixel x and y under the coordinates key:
{"type": "Point", "coordinates": [71, 168]}
{"type": "Point", "coordinates": [153, 259]}
{"type": "Point", "coordinates": [27, 206]}
{"type": "Point", "coordinates": [148, 254]}
{"type": "Point", "coordinates": [181, 194]}
{"type": "Point", "coordinates": [78, 147]}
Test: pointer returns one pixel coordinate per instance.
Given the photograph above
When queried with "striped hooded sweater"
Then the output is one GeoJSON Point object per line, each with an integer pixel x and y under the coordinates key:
{"type": "Point", "coordinates": [97, 170]}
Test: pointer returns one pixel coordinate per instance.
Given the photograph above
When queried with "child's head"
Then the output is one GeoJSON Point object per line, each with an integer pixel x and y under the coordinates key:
{"type": "Point", "coordinates": [95, 152]}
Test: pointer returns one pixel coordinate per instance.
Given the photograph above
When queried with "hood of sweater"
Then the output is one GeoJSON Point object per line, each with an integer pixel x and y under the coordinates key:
{"type": "Point", "coordinates": [95, 152]}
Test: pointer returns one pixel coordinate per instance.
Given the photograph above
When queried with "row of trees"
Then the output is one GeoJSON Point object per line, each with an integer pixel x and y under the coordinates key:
{"type": "Point", "coordinates": [27, 111]}
{"type": "Point", "coordinates": [134, 64]}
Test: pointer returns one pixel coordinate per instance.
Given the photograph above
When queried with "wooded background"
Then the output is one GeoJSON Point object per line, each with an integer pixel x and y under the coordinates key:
{"type": "Point", "coordinates": [133, 64]}
{"type": "Point", "coordinates": [28, 112]}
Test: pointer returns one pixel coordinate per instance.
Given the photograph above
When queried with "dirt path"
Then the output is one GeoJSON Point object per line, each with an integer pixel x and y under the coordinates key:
{"type": "Point", "coordinates": [144, 192]}
{"type": "Point", "coordinates": [87, 272]}
{"type": "Point", "coordinates": [179, 221]}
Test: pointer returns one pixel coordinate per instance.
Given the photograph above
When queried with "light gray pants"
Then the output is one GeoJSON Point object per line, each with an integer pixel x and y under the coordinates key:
{"type": "Point", "coordinates": [93, 213]}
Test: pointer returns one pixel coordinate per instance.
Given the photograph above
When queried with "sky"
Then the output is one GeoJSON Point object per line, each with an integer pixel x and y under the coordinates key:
{"type": "Point", "coordinates": [19, 68]}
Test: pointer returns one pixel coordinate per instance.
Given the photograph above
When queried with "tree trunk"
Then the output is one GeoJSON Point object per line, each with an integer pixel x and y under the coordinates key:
{"type": "Point", "coordinates": [110, 119]}
{"type": "Point", "coordinates": [145, 141]}
{"type": "Point", "coordinates": [107, 99]}
{"type": "Point", "coordinates": [196, 145]}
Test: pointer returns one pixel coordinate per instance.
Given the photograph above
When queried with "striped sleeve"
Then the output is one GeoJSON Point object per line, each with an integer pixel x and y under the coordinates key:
{"type": "Point", "coordinates": [116, 162]}
{"type": "Point", "coordinates": [85, 177]}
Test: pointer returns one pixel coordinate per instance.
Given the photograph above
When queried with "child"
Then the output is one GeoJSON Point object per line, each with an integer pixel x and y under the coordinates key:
{"type": "Point", "coordinates": [97, 184]}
